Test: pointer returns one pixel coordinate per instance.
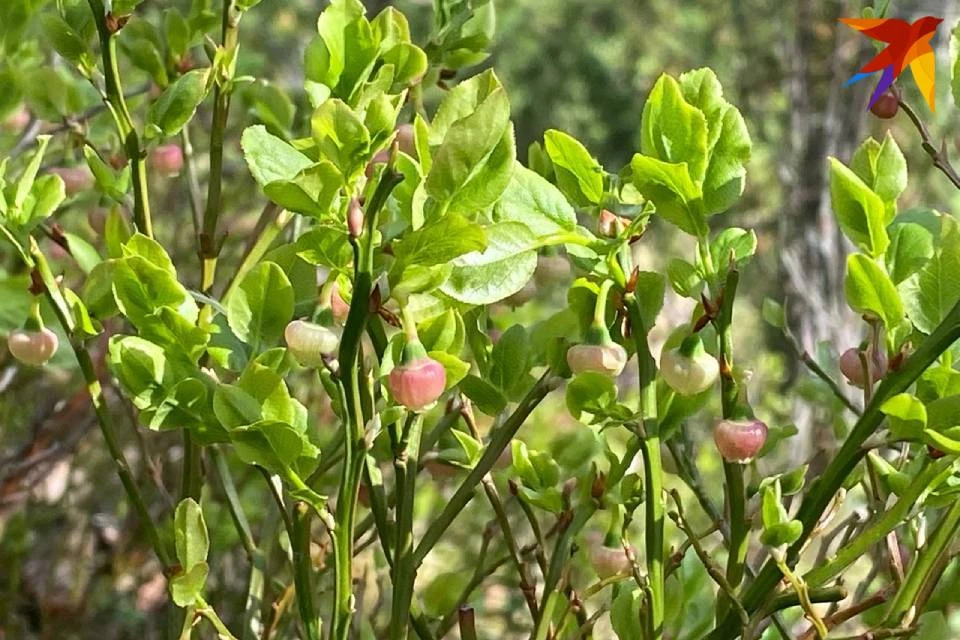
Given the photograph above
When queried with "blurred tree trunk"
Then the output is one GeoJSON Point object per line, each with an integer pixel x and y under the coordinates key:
{"type": "Point", "coordinates": [826, 119]}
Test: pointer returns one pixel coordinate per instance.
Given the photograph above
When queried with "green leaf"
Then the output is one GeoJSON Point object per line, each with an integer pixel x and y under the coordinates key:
{"type": "Point", "coordinates": [187, 586]}
{"type": "Point", "coordinates": [325, 246]}
{"type": "Point", "coordinates": [533, 201]}
{"type": "Point", "coordinates": [484, 395]}
{"type": "Point", "coordinates": [271, 159]}
{"type": "Point", "coordinates": [310, 192]}
{"type": "Point", "coordinates": [409, 64]}
{"type": "Point", "coordinates": [672, 130]}
{"type": "Point", "coordinates": [177, 104]}
{"type": "Point", "coordinates": [509, 359]}
{"type": "Point", "coordinates": [470, 140]}
{"type": "Point", "coordinates": [906, 416]}
{"type": "Point", "coordinates": [869, 290]}
{"type": "Point", "coordinates": [883, 169]}
{"type": "Point", "coordinates": [911, 246]}
{"type": "Point", "coordinates": [783, 534]}
{"type": "Point", "coordinates": [929, 295]}
{"type": "Point", "coordinates": [684, 278]}
{"type": "Point", "coordinates": [625, 613]}
{"type": "Point", "coordinates": [735, 243]}
{"type": "Point", "coordinates": [262, 305]}
{"type": "Point", "coordinates": [234, 407]}
{"type": "Point", "coordinates": [64, 39]}
{"type": "Point", "coordinates": [677, 198]}
{"type": "Point", "coordinates": [489, 180]}
{"type": "Point", "coordinates": [579, 175]}
{"type": "Point", "coordinates": [455, 368]}
{"type": "Point", "coordinates": [500, 270]}
{"type": "Point", "coordinates": [728, 142]}
{"type": "Point", "coordinates": [772, 512]}
{"type": "Point", "coordinates": [589, 395]}
{"type": "Point", "coordinates": [190, 534]}
{"type": "Point", "coordinates": [341, 137]}
{"type": "Point", "coordinates": [650, 288]}
{"type": "Point", "coordinates": [140, 288]}
{"type": "Point", "coordinates": [140, 367]}
{"type": "Point", "coordinates": [275, 446]}
{"type": "Point", "coordinates": [440, 242]}
{"type": "Point", "coordinates": [774, 314]}
{"type": "Point", "coordinates": [346, 50]}
{"type": "Point", "coordinates": [445, 332]}
{"type": "Point", "coordinates": [114, 184]}
{"type": "Point", "coordinates": [860, 212]}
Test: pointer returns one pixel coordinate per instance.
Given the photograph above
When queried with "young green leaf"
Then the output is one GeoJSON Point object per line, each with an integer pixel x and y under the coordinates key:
{"type": "Point", "coordinates": [869, 290]}
{"type": "Point", "coordinates": [262, 306]}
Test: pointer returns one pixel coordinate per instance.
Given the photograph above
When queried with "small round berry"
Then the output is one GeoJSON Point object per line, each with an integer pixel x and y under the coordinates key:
{"type": "Point", "coordinates": [688, 369]}
{"type": "Point", "coordinates": [167, 159]}
{"type": "Point", "coordinates": [608, 359]}
{"type": "Point", "coordinates": [75, 179]}
{"type": "Point", "coordinates": [34, 348]}
{"type": "Point", "coordinates": [417, 384]}
{"type": "Point", "coordinates": [852, 368]}
{"type": "Point", "coordinates": [886, 106]}
{"type": "Point", "coordinates": [739, 440]}
{"type": "Point", "coordinates": [309, 342]}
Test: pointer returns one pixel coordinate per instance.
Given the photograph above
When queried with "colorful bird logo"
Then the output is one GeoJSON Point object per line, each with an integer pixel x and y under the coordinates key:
{"type": "Point", "coordinates": [907, 44]}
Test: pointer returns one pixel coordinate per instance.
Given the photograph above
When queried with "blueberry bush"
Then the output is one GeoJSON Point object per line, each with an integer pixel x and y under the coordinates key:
{"type": "Point", "coordinates": [352, 399]}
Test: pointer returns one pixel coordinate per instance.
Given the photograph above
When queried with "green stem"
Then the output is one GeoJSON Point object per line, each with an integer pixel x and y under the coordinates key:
{"type": "Point", "coordinates": [902, 610]}
{"type": "Point", "coordinates": [802, 594]}
{"type": "Point", "coordinates": [931, 476]}
{"type": "Point", "coordinates": [205, 610]}
{"type": "Point", "coordinates": [208, 240]}
{"type": "Point", "coordinates": [191, 485]}
{"type": "Point", "coordinates": [649, 434]}
{"type": "Point", "coordinates": [600, 308]}
{"type": "Point", "coordinates": [233, 502]}
{"type": "Point", "coordinates": [732, 471]}
{"type": "Point", "coordinates": [822, 491]}
{"type": "Point", "coordinates": [499, 441]}
{"type": "Point", "coordinates": [95, 390]}
{"type": "Point", "coordinates": [117, 105]}
{"type": "Point", "coordinates": [405, 462]}
{"type": "Point", "coordinates": [303, 569]}
{"type": "Point", "coordinates": [354, 440]}
{"type": "Point", "coordinates": [653, 489]}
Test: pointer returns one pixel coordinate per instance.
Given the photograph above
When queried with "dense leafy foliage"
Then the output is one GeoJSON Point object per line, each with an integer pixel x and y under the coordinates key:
{"type": "Point", "coordinates": [359, 339]}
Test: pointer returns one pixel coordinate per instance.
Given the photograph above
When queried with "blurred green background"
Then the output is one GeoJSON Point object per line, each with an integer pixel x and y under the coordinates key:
{"type": "Point", "coordinates": [72, 561]}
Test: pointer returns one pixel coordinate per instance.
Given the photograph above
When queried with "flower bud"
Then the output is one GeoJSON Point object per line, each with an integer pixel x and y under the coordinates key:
{"type": "Point", "coordinates": [598, 353]}
{"type": "Point", "coordinates": [609, 359]}
{"type": "Point", "coordinates": [524, 295]}
{"type": "Point", "coordinates": [167, 159]}
{"type": "Point", "coordinates": [739, 440]}
{"type": "Point", "coordinates": [551, 269]}
{"type": "Point", "coordinates": [886, 106]}
{"type": "Point", "coordinates": [338, 305]}
{"type": "Point", "coordinates": [34, 347]}
{"type": "Point", "coordinates": [355, 219]}
{"type": "Point", "coordinates": [607, 561]}
{"type": "Point", "coordinates": [688, 368]}
{"type": "Point", "coordinates": [75, 179]}
{"type": "Point", "coordinates": [309, 342]}
{"type": "Point", "coordinates": [934, 453]}
{"type": "Point", "coordinates": [610, 225]}
{"type": "Point", "coordinates": [419, 380]}
{"type": "Point", "coordinates": [852, 367]}
{"type": "Point", "coordinates": [406, 139]}
{"type": "Point", "coordinates": [16, 121]}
